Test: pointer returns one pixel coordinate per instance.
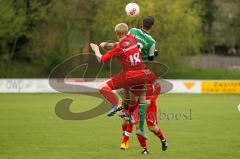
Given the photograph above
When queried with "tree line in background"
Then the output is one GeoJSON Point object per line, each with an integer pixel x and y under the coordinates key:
{"type": "Point", "coordinates": [36, 35]}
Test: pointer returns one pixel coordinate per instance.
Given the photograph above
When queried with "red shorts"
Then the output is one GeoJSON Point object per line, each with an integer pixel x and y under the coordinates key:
{"type": "Point", "coordinates": [131, 79]}
{"type": "Point", "coordinates": [151, 113]}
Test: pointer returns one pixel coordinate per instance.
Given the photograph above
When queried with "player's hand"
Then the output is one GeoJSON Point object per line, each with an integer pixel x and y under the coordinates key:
{"type": "Point", "coordinates": [94, 47]}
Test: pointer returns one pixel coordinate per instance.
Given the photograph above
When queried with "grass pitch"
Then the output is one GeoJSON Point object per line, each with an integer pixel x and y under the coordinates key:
{"type": "Point", "coordinates": [30, 129]}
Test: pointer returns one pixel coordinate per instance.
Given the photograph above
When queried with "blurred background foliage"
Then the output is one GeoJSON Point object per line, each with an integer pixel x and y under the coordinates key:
{"type": "Point", "coordinates": [36, 35]}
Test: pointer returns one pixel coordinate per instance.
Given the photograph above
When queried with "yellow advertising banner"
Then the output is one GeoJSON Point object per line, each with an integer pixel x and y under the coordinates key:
{"type": "Point", "coordinates": [220, 87]}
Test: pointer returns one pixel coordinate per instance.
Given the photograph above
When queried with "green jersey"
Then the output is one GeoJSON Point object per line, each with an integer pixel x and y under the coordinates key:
{"type": "Point", "coordinates": [145, 42]}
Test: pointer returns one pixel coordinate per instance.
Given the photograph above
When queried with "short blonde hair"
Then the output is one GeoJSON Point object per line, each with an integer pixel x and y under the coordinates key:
{"type": "Point", "coordinates": [121, 28]}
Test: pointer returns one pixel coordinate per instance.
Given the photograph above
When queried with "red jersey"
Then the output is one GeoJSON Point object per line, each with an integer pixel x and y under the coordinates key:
{"type": "Point", "coordinates": [127, 53]}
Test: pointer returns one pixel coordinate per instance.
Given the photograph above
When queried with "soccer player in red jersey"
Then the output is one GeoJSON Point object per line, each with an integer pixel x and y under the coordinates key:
{"type": "Point", "coordinates": [133, 72]}
{"type": "Point", "coordinates": [147, 25]}
{"type": "Point", "coordinates": [151, 117]}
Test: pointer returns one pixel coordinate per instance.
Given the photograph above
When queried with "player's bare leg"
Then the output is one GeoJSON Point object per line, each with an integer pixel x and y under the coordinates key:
{"type": "Point", "coordinates": [125, 104]}
{"type": "Point", "coordinates": [126, 99]}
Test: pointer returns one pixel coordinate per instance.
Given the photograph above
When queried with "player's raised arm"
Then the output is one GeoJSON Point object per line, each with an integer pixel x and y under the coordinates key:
{"type": "Point", "coordinates": [108, 45]}
{"type": "Point", "coordinates": [107, 56]}
{"type": "Point", "coordinates": [96, 50]}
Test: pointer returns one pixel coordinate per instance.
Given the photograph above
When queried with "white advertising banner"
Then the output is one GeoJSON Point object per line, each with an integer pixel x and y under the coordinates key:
{"type": "Point", "coordinates": [25, 86]}
{"type": "Point", "coordinates": [186, 86]}
{"type": "Point", "coordinates": [179, 86]}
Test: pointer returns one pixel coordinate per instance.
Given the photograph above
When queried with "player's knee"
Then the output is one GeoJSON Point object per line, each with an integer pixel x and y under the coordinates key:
{"type": "Point", "coordinates": [153, 128]}
{"type": "Point", "coordinates": [104, 87]}
{"type": "Point", "coordinates": [124, 122]}
{"type": "Point", "coordinates": [148, 103]}
{"type": "Point", "coordinates": [132, 102]}
{"type": "Point", "coordinates": [150, 128]}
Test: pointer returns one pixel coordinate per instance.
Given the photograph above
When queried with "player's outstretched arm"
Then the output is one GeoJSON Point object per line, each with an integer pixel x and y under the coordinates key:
{"type": "Point", "coordinates": [107, 56]}
{"type": "Point", "coordinates": [108, 45]}
{"type": "Point", "coordinates": [96, 50]}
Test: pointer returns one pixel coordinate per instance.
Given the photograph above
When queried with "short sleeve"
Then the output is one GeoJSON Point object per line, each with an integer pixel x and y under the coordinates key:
{"type": "Point", "coordinates": [152, 49]}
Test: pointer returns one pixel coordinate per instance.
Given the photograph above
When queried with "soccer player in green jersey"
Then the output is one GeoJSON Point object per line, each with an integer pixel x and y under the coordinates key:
{"type": "Point", "coordinates": [147, 47]}
{"type": "Point", "coordinates": [146, 44]}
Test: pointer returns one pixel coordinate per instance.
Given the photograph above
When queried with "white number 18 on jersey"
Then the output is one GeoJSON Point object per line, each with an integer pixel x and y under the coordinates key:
{"type": "Point", "coordinates": [135, 59]}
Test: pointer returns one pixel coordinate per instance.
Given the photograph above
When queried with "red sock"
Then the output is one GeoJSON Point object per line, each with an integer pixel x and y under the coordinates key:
{"type": "Point", "coordinates": [160, 134]}
{"type": "Point", "coordinates": [125, 138]}
{"type": "Point", "coordinates": [127, 133]}
{"type": "Point", "coordinates": [142, 141]}
{"type": "Point", "coordinates": [109, 95]}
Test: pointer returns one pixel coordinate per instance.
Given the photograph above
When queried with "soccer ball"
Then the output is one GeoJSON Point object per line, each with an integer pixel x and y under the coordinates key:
{"type": "Point", "coordinates": [132, 9]}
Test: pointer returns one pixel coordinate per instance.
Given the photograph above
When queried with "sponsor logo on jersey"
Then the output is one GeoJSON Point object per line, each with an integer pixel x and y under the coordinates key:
{"type": "Point", "coordinates": [130, 48]}
{"type": "Point", "coordinates": [140, 39]}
